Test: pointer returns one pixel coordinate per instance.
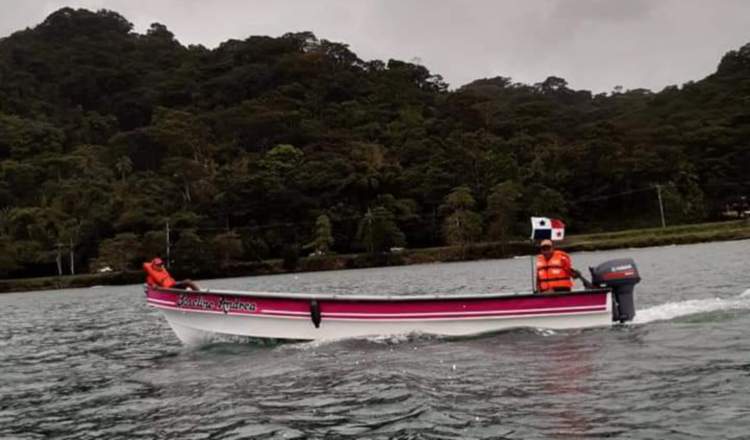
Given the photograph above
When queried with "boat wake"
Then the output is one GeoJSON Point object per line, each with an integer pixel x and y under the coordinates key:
{"type": "Point", "coordinates": [668, 311]}
{"type": "Point", "coordinates": [390, 339]}
{"type": "Point", "coordinates": [413, 337]}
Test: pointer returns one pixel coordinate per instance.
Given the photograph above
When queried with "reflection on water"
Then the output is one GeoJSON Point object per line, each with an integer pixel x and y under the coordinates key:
{"type": "Point", "coordinates": [98, 363]}
{"type": "Point", "coordinates": [568, 373]}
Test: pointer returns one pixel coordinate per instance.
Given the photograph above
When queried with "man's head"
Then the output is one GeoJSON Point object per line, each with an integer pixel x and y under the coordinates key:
{"type": "Point", "coordinates": [157, 263]}
{"type": "Point", "coordinates": [546, 248]}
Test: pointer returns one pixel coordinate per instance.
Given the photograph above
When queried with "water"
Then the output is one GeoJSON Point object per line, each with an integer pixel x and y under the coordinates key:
{"type": "Point", "coordinates": [98, 363]}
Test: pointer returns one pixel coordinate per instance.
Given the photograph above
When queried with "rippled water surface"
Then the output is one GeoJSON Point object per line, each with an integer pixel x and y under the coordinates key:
{"type": "Point", "coordinates": [99, 363]}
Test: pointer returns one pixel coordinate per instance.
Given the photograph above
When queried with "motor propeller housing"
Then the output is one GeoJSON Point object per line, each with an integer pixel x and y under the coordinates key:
{"type": "Point", "coordinates": [621, 276]}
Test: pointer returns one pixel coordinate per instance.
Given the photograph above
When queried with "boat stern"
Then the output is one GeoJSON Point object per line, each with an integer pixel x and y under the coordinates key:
{"type": "Point", "coordinates": [620, 276]}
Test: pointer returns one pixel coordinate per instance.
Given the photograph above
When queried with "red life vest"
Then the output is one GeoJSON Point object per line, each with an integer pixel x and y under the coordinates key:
{"type": "Point", "coordinates": [157, 277]}
{"type": "Point", "coordinates": [554, 273]}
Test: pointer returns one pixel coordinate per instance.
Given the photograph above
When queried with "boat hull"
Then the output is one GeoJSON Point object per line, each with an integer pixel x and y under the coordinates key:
{"type": "Point", "coordinates": [196, 317]}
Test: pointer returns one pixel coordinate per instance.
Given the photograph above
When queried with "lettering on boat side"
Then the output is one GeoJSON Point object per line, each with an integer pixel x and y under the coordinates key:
{"type": "Point", "coordinates": [235, 305]}
{"type": "Point", "coordinates": [221, 304]}
{"type": "Point", "coordinates": [191, 302]}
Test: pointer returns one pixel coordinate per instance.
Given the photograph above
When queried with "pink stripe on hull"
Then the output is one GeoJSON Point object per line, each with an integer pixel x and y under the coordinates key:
{"type": "Point", "coordinates": [450, 315]}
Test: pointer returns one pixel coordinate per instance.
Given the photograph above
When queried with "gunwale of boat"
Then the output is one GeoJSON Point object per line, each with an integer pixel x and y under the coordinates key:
{"type": "Point", "coordinates": [381, 298]}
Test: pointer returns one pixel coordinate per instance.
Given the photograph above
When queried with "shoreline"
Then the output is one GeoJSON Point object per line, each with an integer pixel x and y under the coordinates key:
{"type": "Point", "coordinates": [638, 238]}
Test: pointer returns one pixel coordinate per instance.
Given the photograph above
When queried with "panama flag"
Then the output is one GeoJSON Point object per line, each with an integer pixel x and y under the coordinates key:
{"type": "Point", "coordinates": [543, 228]}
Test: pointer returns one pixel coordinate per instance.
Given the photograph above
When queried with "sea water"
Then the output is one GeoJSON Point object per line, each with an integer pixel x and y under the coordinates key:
{"type": "Point", "coordinates": [99, 363]}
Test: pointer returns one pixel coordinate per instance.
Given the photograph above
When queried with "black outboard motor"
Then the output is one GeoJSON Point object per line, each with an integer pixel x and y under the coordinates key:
{"type": "Point", "coordinates": [621, 276]}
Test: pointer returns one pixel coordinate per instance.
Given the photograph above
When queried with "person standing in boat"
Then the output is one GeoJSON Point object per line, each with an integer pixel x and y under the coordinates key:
{"type": "Point", "coordinates": [554, 270]}
{"type": "Point", "coordinates": [157, 276]}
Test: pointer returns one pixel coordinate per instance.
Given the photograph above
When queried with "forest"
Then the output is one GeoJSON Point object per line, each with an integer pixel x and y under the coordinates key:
{"type": "Point", "coordinates": [293, 146]}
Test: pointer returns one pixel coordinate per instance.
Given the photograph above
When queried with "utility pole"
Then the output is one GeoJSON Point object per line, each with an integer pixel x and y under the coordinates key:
{"type": "Point", "coordinates": [72, 258]}
{"type": "Point", "coordinates": [167, 244]}
{"type": "Point", "coordinates": [661, 206]}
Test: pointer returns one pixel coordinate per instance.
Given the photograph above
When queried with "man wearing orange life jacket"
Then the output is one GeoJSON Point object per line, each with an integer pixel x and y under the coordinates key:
{"type": "Point", "coordinates": [554, 271]}
{"type": "Point", "coordinates": [157, 275]}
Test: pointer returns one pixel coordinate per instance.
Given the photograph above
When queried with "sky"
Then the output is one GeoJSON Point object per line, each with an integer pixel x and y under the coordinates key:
{"type": "Point", "coordinates": [593, 44]}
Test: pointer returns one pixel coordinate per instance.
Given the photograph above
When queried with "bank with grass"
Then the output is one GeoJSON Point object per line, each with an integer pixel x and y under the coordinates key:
{"type": "Point", "coordinates": [683, 234]}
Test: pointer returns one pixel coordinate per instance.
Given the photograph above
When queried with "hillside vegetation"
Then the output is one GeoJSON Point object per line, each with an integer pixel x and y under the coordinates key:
{"type": "Point", "coordinates": [276, 147]}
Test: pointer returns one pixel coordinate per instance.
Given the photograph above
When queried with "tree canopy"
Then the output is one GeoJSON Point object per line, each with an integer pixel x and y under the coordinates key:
{"type": "Point", "coordinates": [107, 134]}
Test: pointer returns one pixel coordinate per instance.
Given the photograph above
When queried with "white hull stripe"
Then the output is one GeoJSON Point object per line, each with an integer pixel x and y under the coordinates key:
{"type": "Point", "coordinates": [161, 301]}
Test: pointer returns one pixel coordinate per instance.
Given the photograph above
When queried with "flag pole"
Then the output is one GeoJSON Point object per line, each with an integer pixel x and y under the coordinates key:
{"type": "Point", "coordinates": [533, 267]}
{"type": "Point", "coordinates": [531, 256]}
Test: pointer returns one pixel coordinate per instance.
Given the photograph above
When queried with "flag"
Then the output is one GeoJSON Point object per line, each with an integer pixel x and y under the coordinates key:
{"type": "Point", "coordinates": [543, 228]}
{"type": "Point", "coordinates": [558, 229]}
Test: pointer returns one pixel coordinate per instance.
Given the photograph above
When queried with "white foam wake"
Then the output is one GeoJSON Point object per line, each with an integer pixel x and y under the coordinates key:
{"type": "Point", "coordinates": [386, 339]}
{"type": "Point", "coordinates": [319, 343]}
{"type": "Point", "coordinates": [308, 345]}
{"type": "Point", "coordinates": [664, 312]}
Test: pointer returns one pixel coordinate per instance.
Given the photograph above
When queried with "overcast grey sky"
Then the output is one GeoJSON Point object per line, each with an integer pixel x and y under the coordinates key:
{"type": "Point", "coordinates": [594, 44]}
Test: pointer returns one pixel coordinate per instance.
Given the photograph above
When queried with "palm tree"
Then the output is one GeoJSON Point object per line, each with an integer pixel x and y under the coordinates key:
{"type": "Point", "coordinates": [124, 166]}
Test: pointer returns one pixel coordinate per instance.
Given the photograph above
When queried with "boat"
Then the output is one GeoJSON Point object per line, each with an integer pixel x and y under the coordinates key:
{"type": "Point", "coordinates": [196, 316]}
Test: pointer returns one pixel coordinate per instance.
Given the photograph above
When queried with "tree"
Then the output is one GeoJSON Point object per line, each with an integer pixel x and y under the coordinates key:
{"type": "Point", "coordinates": [290, 256]}
{"type": "Point", "coordinates": [378, 231]}
{"type": "Point", "coordinates": [282, 159]}
{"type": "Point", "coordinates": [191, 255]}
{"type": "Point", "coordinates": [120, 253]}
{"type": "Point", "coordinates": [683, 204]}
{"type": "Point", "coordinates": [22, 138]}
{"type": "Point", "coordinates": [542, 200]}
{"type": "Point", "coordinates": [153, 245]}
{"type": "Point", "coordinates": [8, 259]}
{"type": "Point", "coordinates": [462, 226]}
{"type": "Point", "coordinates": [323, 239]}
{"type": "Point", "coordinates": [124, 167]}
{"type": "Point", "coordinates": [228, 246]}
{"type": "Point", "coordinates": [502, 208]}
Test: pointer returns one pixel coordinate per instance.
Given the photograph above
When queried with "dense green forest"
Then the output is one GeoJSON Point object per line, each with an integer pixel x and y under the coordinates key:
{"type": "Point", "coordinates": [278, 147]}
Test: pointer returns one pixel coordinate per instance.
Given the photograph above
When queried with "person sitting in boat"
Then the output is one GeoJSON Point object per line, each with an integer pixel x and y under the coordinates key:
{"type": "Point", "coordinates": [157, 275]}
{"type": "Point", "coordinates": [554, 270]}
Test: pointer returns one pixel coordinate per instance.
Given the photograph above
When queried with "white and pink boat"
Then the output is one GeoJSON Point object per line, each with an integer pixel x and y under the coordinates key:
{"type": "Point", "coordinates": [195, 316]}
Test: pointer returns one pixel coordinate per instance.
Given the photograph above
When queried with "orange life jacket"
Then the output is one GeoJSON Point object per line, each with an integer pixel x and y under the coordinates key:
{"type": "Point", "coordinates": [553, 273]}
{"type": "Point", "coordinates": [157, 277]}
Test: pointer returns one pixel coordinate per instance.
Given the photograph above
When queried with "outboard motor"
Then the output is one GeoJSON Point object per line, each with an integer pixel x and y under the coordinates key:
{"type": "Point", "coordinates": [621, 276]}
